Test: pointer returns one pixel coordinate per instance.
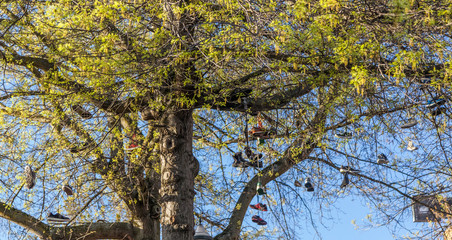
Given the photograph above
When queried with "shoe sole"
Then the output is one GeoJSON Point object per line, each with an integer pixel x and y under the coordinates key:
{"type": "Point", "coordinates": [343, 137]}
{"type": "Point", "coordinates": [408, 125]}
{"type": "Point", "coordinates": [130, 149]}
{"type": "Point", "coordinates": [57, 219]}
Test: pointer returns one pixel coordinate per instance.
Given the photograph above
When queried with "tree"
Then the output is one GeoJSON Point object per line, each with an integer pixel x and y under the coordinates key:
{"type": "Point", "coordinates": [180, 79]}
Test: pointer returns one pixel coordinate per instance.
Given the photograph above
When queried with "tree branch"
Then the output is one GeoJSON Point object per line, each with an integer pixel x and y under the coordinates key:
{"type": "Point", "coordinates": [24, 220]}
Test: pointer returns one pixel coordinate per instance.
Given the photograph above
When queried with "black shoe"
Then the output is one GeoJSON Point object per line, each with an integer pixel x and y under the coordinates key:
{"type": "Point", "coordinates": [347, 169]}
{"type": "Point", "coordinates": [344, 134]}
{"type": "Point", "coordinates": [254, 158]}
{"type": "Point", "coordinates": [308, 185]}
{"type": "Point", "coordinates": [57, 218]}
{"type": "Point", "coordinates": [30, 177]}
{"type": "Point", "coordinates": [345, 181]}
{"type": "Point", "coordinates": [239, 162]}
{"type": "Point", "coordinates": [256, 164]}
{"type": "Point", "coordinates": [437, 111]}
{"type": "Point", "coordinates": [260, 189]}
{"type": "Point", "coordinates": [382, 159]}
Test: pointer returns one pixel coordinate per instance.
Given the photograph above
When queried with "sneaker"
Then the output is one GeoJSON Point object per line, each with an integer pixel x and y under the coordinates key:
{"type": "Point", "coordinates": [435, 102]}
{"type": "Point", "coordinates": [130, 147]}
{"type": "Point", "coordinates": [347, 169]}
{"type": "Point", "coordinates": [382, 159]}
{"type": "Point", "coordinates": [437, 111]}
{"type": "Point", "coordinates": [77, 149]}
{"type": "Point", "coordinates": [257, 131]}
{"type": "Point", "coordinates": [345, 181]}
{"type": "Point", "coordinates": [260, 189]}
{"type": "Point", "coordinates": [411, 146]}
{"type": "Point", "coordinates": [410, 123]}
{"type": "Point", "coordinates": [343, 134]}
{"type": "Point", "coordinates": [57, 218]}
{"type": "Point", "coordinates": [81, 111]}
{"type": "Point", "coordinates": [256, 164]}
{"type": "Point", "coordinates": [258, 220]}
{"type": "Point", "coordinates": [297, 183]}
{"type": "Point", "coordinates": [68, 190]}
{"type": "Point", "coordinates": [308, 185]}
{"type": "Point", "coordinates": [132, 144]}
{"type": "Point", "coordinates": [30, 177]}
{"type": "Point", "coordinates": [254, 158]}
{"type": "Point", "coordinates": [259, 206]}
{"type": "Point", "coordinates": [239, 162]}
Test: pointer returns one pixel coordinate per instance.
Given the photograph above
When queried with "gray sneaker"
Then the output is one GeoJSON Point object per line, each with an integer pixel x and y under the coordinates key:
{"type": "Point", "coordinates": [30, 177]}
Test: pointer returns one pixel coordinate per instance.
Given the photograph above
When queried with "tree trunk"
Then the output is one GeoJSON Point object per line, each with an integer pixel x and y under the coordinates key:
{"type": "Point", "coordinates": [177, 175]}
{"type": "Point", "coordinates": [150, 229]}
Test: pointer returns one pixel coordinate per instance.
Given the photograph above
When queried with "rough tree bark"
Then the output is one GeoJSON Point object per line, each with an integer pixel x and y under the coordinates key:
{"type": "Point", "coordinates": [177, 174]}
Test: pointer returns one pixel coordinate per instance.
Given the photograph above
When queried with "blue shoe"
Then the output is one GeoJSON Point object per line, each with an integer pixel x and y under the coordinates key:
{"type": "Point", "coordinates": [435, 102]}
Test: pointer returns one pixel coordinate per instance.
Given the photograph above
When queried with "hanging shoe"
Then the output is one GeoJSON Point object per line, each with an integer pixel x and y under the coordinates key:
{"type": "Point", "coordinates": [239, 162]}
{"type": "Point", "coordinates": [68, 190]}
{"type": "Point", "coordinates": [437, 111]}
{"type": "Point", "coordinates": [411, 146]}
{"type": "Point", "coordinates": [254, 158]}
{"type": "Point", "coordinates": [308, 185]}
{"type": "Point", "coordinates": [256, 164]}
{"type": "Point", "coordinates": [257, 132]}
{"type": "Point", "coordinates": [259, 206]}
{"type": "Point", "coordinates": [260, 189]}
{"type": "Point", "coordinates": [343, 134]}
{"type": "Point", "coordinates": [409, 123]}
{"type": "Point", "coordinates": [81, 111]}
{"type": "Point", "coordinates": [382, 159]}
{"type": "Point", "coordinates": [258, 220]}
{"type": "Point", "coordinates": [435, 102]}
{"type": "Point", "coordinates": [132, 144]}
{"type": "Point", "coordinates": [345, 181]}
{"type": "Point", "coordinates": [76, 149]}
{"type": "Point", "coordinates": [131, 147]}
{"type": "Point", "coordinates": [57, 218]}
{"type": "Point", "coordinates": [30, 177]}
{"type": "Point", "coordinates": [347, 169]}
{"type": "Point", "coordinates": [297, 183]}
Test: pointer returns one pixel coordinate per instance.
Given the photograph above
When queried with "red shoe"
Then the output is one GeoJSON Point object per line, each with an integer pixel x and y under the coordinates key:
{"type": "Point", "coordinates": [131, 147]}
{"type": "Point", "coordinates": [259, 206]}
{"type": "Point", "coordinates": [258, 220]}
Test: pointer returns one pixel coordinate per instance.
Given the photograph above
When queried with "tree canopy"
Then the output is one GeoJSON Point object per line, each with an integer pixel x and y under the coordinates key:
{"type": "Point", "coordinates": [142, 107]}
